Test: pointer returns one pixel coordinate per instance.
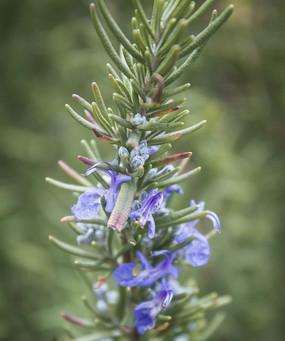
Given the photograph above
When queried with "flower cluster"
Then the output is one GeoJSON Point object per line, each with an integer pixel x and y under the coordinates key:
{"type": "Point", "coordinates": [138, 155]}
{"type": "Point", "coordinates": [136, 245]}
{"type": "Point", "coordinates": [148, 206]}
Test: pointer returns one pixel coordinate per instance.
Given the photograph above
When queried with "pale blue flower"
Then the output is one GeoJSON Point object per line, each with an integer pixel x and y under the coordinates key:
{"type": "Point", "coordinates": [197, 252]}
{"type": "Point", "coordinates": [146, 312]}
{"type": "Point", "coordinates": [116, 180]}
{"type": "Point", "coordinates": [148, 204]}
{"type": "Point", "coordinates": [88, 204]}
{"type": "Point", "coordinates": [148, 274]}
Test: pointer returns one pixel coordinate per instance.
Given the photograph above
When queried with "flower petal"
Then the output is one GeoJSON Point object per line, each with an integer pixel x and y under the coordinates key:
{"type": "Point", "coordinates": [198, 251]}
{"type": "Point", "coordinates": [88, 205]}
{"type": "Point", "coordinates": [215, 220]}
{"type": "Point", "coordinates": [151, 227]}
{"type": "Point", "coordinates": [124, 274]}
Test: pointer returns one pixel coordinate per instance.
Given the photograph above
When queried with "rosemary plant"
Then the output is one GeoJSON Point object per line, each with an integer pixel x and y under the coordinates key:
{"type": "Point", "coordinates": [137, 251]}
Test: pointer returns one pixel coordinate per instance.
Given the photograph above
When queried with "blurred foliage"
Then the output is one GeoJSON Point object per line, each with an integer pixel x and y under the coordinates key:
{"type": "Point", "coordinates": [49, 51]}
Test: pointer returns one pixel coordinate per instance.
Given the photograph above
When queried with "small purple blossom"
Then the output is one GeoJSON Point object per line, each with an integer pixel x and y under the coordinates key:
{"type": "Point", "coordinates": [88, 204]}
{"type": "Point", "coordinates": [172, 189]}
{"type": "Point", "coordinates": [153, 149]}
{"type": "Point", "coordinates": [150, 203]}
{"type": "Point", "coordinates": [215, 220]}
{"type": "Point", "coordinates": [116, 180]}
{"type": "Point", "coordinates": [167, 192]}
{"type": "Point", "coordinates": [186, 228]}
{"type": "Point", "coordinates": [148, 275]}
{"type": "Point", "coordinates": [196, 252]}
{"type": "Point", "coordinates": [146, 312]}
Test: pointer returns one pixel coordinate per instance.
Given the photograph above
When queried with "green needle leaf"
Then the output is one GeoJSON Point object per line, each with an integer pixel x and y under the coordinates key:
{"type": "Point", "coordinates": [178, 214]}
{"type": "Point", "coordinates": [73, 250]}
{"type": "Point", "coordinates": [177, 90]}
{"type": "Point", "coordinates": [174, 37]}
{"type": "Point", "coordinates": [67, 186]}
{"type": "Point", "coordinates": [176, 135]}
{"type": "Point", "coordinates": [179, 71]}
{"type": "Point", "coordinates": [143, 17]}
{"type": "Point", "coordinates": [169, 61]}
{"type": "Point", "coordinates": [85, 104]}
{"type": "Point", "coordinates": [182, 245]}
{"type": "Point", "coordinates": [183, 220]}
{"type": "Point", "coordinates": [155, 126]}
{"type": "Point", "coordinates": [164, 318]}
{"type": "Point", "coordinates": [91, 265]}
{"type": "Point", "coordinates": [80, 119]}
{"type": "Point", "coordinates": [107, 43]}
{"type": "Point", "coordinates": [122, 122]}
{"type": "Point", "coordinates": [180, 178]}
{"type": "Point", "coordinates": [74, 174]}
{"type": "Point", "coordinates": [201, 10]}
{"type": "Point", "coordinates": [118, 32]}
{"type": "Point", "coordinates": [203, 36]}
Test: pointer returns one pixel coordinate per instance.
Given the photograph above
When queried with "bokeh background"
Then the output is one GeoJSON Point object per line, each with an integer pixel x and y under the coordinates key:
{"type": "Point", "coordinates": [48, 52]}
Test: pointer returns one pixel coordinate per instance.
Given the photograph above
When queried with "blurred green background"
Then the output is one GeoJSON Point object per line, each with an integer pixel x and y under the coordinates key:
{"type": "Point", "coordinates": [48, 52]}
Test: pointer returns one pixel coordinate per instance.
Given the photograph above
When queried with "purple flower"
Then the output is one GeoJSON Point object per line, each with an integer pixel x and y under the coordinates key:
{"type": "Point", "coordinates": [153, 149]}
{"type": "Point", "coordinates": [172, 189]}
{"type": "Point", "coordinates": [196, 252]}
{"type": "Point", "coordinates": [146, 312]}
{"type": "Point", "coordinates": [116, 179]}
{"type": "Point", "coordinates": [185, 229]}
{"type": "Point", "coordinates": [88, 204]}
{"type": "Point", "coordinates": [148, 275]}
{"type": "Point", "coordinates": [167, 192]}
{"type": "Point", "coordinates": [150, 203]}
{"type": "Point", "coordinates": [215, 220]}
